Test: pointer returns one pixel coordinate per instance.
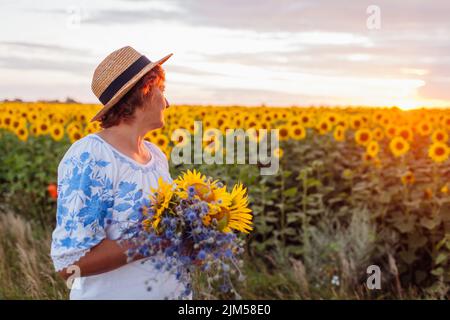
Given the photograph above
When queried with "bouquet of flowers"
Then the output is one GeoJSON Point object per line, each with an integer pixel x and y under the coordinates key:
{"type": "Point", "coordinates": [191, 225]}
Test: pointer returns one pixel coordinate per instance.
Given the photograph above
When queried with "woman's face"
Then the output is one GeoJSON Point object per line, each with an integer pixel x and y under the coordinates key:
{"type": "Point", "coordinates": [152, 116]}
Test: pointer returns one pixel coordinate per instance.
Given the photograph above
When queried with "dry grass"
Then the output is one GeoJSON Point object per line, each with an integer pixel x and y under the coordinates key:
{"type": "Point", "coordinates": [26, 270]}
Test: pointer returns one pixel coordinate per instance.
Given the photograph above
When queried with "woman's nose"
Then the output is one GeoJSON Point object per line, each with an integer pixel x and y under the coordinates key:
{"type": "Point", "coordinates": [167, 103]}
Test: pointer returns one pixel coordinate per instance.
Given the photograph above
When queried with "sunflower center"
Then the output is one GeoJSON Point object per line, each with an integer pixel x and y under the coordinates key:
{"type": "Point", "coordinates": [440, 151]}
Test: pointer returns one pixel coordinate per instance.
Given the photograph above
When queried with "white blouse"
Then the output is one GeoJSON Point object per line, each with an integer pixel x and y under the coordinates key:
{"type": "Point", "coordinates": [100, 191]}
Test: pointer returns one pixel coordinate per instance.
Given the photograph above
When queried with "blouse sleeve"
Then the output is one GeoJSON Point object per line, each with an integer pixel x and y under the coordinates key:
{"type": "Point", "coordinates": [85, 201]}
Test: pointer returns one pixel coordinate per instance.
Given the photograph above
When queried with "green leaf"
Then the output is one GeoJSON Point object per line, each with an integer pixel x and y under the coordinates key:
{"type": "Point", "coordinates": [442, 257]}
{"type": "Point", "coordinates": [438, 271]}
{"type": "Point", "coordinates": [291, 192]}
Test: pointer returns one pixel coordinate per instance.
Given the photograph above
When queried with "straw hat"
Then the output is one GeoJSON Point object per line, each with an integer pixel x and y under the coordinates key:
{"type": "Point", "coordinates": [117, 74]}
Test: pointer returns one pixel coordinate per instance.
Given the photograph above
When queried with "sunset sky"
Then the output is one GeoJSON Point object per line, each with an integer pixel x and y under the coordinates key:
{"type": "Point", "coordinates": [283, 52]}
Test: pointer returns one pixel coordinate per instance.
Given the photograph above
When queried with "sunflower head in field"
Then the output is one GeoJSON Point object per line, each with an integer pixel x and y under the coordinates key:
{"type": "Point", "coordinates": [408, 178]}
{"type": "Point", "coordinates": [406, 133]}
{"type": "Point", "coordinates": [56, 131]}
{"type": "Point", "coordinates": [42, 126]}
{"type": "Point", "coordinates": [283, 132]}
{"type": "Point", "coordinates": [446, 122]}
{"type": "Point", "coordinates": [306, 119]}
{"type": "Point", "coordinates": [277, 153]}
{"type": "Point", "coordinates": [439, 135]}
{"type": "Point", "coordinates": [324, 126]}
{"type": "Point", "coordinates": [439, 152]}
{"type": "Point", "coordinates": [297, 132]}
{"type": "Point", "coordinates": [373, 148]}
{"type": "Point", "coordinates": [339, 133]}
{"type": "Point", "coordinates": [363, 136]}
{"type": "Point", "coordinates": [391, 131]}
{"type": "Point", "coordinates": [22, 133]}
{"type": "Point", "coordinates": [160, 199]}
{"type": "Point", "coordinates": [424, 128]}
{"type": "Point", "coordinates": [356, 122]}
{"type": "Point", "coordinates": [377, 117]}
{"type": "Point", "coordinates": [162, 141]}
{"type": "Point", "coordinates": [333, 118]}
{"type": "Point", "coordinates": [75, 135]}
{"type": "Point", "coordinates": [18, 122]}
{"type": "Point", "coordinates": [378, 134]}
{"type": "Point", "coordinates": [399, 146]}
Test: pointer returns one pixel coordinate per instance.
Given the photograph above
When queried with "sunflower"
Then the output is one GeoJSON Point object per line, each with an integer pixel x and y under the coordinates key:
{"type": "Point", "coordinates": [324, 126]}
{"type": "Point", "coordinates": [332, 118]}
{"type": "Point", "coordinates": [339, 133]}
{"type": "Point", "coordinates": [202, 188]}
{"type": "Point", "coordinates": [408, 178]}
{"type": "Point", "coordinates": [237, 215]}
{"type": "Point", "coordinates": [265, 125]}
{"type": "Point", "coordinates": [363, 137]}
{"type": "Point", "coordinates": [56, 131]}
{"type": "Point", "coordinates": [377, 117]}
{"type": "Point", "coordinates": [439, 136]}
{"type": "Point", "coordinates": [424, 128]}
{"type": "Point", "coordinates": [18, 123]}
{"type": "Point", "coordinates": [306, 120]}
{"type": "Point", "coordinates": [446, 122]}
{"type": "Point", "coordinates": [32, 116]}
{"type": "Point", "coordinates": [73, 126]}
{"type": "Point", "coordinates": [356, 122]}
{"type": "Point", "coordinates": [399, 146]}
{"type": "Point", "coordinates": [22, 133]}
{"type": "Point", "coordinates": [161, 141]}
{"type": "Point", "coordinates": [75, 135]}
{"type": "Point", "coordinates": [439, 152]}
{"type": "Point", "coordinates": [278, 153]}
{"type": "Point", "coordinates": [297, 132]}
{"type": "Point", "coordinates": [283, 133]}
{"type": "Point", "coordinates": [391, 131]}
{"type": "Point", "coordinates": [42, 127]}
{"type": "Point", "coordinates": [378, 134]}
{"type": "Point", "coordinates": [405, 132]}
{"type": "Point", "coordinates": [160, 198]}
{"type": "Point", "coordinates": [373, 148]}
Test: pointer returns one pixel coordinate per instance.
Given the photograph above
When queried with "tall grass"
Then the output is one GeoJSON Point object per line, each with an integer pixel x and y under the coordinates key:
{"type": "Point", "coordinates": [334, 250]}
{"type": "Point", "coordinates": [26, 270]}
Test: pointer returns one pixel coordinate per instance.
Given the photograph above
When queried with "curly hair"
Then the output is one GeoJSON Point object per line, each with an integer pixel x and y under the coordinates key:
{"type": "Point", "coordinates": [125, 108]}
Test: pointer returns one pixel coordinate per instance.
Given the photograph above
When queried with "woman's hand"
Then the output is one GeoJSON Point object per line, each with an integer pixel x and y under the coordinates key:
{"type": "Point", "coordinates": [106, 256]}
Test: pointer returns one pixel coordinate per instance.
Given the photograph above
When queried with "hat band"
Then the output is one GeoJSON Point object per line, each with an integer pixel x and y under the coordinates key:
{"type": "Point", "coordinates": [123, 78]}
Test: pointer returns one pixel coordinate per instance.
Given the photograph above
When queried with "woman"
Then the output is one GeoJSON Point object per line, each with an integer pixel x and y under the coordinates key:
{"type": "Point", "coordinates": [103, 180]}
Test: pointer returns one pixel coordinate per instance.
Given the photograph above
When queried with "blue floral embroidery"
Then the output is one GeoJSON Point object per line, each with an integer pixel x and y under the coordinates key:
{"type": "Point", "coordinates": [84, 202]}
{"type": "Point", "coordinates": [89, 206]}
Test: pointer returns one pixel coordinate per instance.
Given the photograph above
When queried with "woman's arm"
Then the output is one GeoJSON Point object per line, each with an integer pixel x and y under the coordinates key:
{"type": "Point", "coordinates": [106, 256]}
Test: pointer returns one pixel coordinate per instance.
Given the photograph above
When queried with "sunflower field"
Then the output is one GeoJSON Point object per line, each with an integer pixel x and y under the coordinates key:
{"type": "Point", "coordinates": [356, 186]}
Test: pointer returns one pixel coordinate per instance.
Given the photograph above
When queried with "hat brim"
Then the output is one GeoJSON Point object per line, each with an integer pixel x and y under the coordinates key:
{"type": "Point", "coordinates": [128, 86]}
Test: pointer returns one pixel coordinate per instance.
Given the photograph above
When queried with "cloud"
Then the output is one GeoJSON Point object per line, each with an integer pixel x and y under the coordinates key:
{"type": "Point", "coordinates": [44, 57]}
{"type": "Point", "coordinates": [226, 49]}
